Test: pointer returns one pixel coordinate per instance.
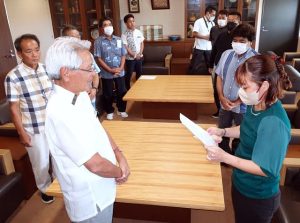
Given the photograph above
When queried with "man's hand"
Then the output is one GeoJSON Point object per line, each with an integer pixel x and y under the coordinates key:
{"type": "Point", "coordinates": [125, 170]}
{"type": "Point", "coordinates": [116, 71]}
{"type": "Point", "coordinates": [25, 139]}
{"type": "Point", "coordinates": [237, 102]}
{"type": "Point", "coordinates": [139, 56]}
{"type": "Point", "coordinates": [92, 93]}
{"type": "Point", "coordinates": [210, 70]}
{"type": "Point", "coordinates": [227, 104]}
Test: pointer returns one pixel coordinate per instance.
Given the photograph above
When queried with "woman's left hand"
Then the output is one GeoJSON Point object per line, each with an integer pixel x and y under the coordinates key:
{"type": "Point", "coordinates": [215, 153]}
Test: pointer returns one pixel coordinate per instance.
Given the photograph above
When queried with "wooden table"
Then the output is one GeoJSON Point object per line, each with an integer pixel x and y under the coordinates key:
{"type": "Point", "coordinates": [168, 167]}
{"type": "Point", "coordinates": [168, 95]}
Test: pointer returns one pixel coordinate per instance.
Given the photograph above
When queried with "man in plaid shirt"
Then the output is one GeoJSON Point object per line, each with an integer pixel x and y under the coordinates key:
{"type": "Point", "coordinates": [28, 88]}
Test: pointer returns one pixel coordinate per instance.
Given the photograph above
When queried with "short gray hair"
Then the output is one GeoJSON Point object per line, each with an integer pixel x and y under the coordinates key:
{"type": "Point", "coordinates": [64, 53]}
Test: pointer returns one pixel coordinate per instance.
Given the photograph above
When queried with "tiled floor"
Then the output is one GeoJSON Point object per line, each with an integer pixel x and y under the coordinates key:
{"type": "Point", "coordinates": [34, 211]}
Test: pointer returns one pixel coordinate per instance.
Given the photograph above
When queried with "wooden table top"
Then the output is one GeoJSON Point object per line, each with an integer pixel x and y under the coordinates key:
{"type": "Point", "coordinates": [172, 88]}
{"type": "Point", "coordinates": [168, 167]}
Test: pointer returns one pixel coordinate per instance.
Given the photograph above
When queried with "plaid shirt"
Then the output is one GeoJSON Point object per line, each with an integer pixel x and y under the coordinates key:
{"type": "Point", "coordinates": [31, 88]}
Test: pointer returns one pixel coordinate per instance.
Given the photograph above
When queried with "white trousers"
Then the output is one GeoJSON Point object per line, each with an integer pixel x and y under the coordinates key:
{"type": "Point", "coordinates": [39, 158]}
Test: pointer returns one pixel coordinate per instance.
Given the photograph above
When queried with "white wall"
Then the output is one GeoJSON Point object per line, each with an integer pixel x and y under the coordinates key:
{"type": "Point", "coordinates": [172, 19]}
{"type": "Point", "coordinates": [31, 16]}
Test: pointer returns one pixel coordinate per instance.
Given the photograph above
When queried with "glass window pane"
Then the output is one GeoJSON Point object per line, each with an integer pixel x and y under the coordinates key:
{"type": "Point", "coordinates": [230, 5]}
{"type": "Point", "coordinates": [249, 11]}
{"type": "Point", "coordinates": [192, 14]}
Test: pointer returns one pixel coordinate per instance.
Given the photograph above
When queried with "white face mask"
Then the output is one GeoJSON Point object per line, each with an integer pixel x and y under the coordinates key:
{"type": "Point", "coordinates": [222, 22]}
{"type": "Point", "coordinates": [108, 30]}
{"type": "Point", "coordinates": [240, 48]}
{"type": "Point", "coordinates": [251, 98]}
{"type": "Point", "coordinates": [212, 18]}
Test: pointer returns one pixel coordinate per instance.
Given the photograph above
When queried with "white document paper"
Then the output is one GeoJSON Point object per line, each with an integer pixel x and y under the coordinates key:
{"type": "Point", "coordinates": [197, 131]}
{"type": "Point", "coordinates": [147, 77]}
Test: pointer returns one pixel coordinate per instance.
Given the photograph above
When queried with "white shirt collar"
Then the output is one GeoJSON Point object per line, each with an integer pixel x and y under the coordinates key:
{"type": "Point", "coordinates": [33, 71]}
{"type": "Point", "coordinates": [66, 95]}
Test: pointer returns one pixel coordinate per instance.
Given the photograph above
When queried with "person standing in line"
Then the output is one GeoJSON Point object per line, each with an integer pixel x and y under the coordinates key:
{"type": "Point", "coordinates": [221, 44]}
{"type": "Point", "coordinates": [27, 89]}
{"type": "Point", "coordinates": [110, 53]}
{"type": "Point", "coordinates": [72, 31]}
{"type": "Point", "coordinates": [232, 110]}
{"type": "Point", "coordinates": [85, 156]}
{"type": "Point", "coordinates": [264, 137]}
{"type": "Point", "coordinates": [133, 40]}
{"type": "Point", "coordinates": [220, 27]}
{"type": "Point", "coordinates": [202, 46]}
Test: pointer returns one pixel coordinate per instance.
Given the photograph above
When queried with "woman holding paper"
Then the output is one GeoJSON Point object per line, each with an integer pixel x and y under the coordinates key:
{"type": "Point", "coordinates": [264, 136]}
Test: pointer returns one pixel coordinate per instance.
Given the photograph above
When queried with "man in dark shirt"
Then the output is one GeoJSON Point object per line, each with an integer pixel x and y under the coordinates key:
{"type": "Point", "coordinates": [220, 27]}
{"type": "Point", "coordinates": [221, 44]}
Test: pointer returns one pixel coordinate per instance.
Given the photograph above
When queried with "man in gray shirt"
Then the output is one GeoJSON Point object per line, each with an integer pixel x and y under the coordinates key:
{"type": "Point", "coordinates": [232, 109]}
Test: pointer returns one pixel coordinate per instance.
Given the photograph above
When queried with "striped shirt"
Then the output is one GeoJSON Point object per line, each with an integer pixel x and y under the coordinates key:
{"type": "Point", "coordinates": [226, 69]}
{"type": "Point", "coordinates": [31, 88]}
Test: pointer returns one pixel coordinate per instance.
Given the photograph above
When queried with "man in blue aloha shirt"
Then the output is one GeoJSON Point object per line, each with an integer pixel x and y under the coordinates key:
{"type": "Point", "coordinates": [110, 53]}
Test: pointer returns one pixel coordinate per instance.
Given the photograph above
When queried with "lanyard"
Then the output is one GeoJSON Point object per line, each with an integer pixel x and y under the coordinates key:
{"type": "Point", "coordinates": [206, 23]}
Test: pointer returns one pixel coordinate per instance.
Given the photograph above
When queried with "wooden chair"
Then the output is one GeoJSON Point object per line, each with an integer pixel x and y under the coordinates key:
{"type": "Point", "coordinates": [293, 94]}
{"type": "Point", "coordinates": [289, 56]}
{"type": "Point", "coordinates": [157, 60]}
{"type": "Point", "coordinates": [296, 63]}
{"type": "Point", "coordinates": [288, 211]}
{"type": "Point", "coordinates": [11, 190]}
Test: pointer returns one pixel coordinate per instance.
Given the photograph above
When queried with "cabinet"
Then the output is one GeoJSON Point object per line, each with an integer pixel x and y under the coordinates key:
{"type": "Point", "coordinates": [195, 9]}
{"type": "Point", "coordinates": [83, 14]}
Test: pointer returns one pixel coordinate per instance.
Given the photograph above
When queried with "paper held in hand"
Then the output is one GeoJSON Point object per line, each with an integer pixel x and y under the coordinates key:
{"type": "Point", "coordinates": [197, 131]}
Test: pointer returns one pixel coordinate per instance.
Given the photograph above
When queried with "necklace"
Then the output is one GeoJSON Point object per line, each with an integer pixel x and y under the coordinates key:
{"type": "Point", "coordinates": [252, 112]}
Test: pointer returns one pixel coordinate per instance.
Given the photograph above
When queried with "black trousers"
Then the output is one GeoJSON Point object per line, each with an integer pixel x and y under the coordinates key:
{"type": "Point", "coordinates": [131, 66]}
{"type": "Point", "coordinates": [226, 119]}
{"type": "Point", "coordinates": [107, 97]}
{"type": "Point", "coordinates": [248, 210]}
{"type": "Point", "coordinates": [216, 96]}
{"type": "Point", "coordinates": [200, 62]}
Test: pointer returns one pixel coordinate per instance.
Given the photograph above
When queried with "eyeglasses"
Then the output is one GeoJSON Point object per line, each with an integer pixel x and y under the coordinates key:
{"type": "Point", "coordinates": [91, 70]}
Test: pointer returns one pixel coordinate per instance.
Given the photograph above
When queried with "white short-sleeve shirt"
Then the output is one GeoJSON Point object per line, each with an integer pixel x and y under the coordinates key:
{"type": "Point", "coordinates": [74, 135]}
{"type": "Point", "coordinates": [203, 27]}
{"type": "Point", "coordinates": [133, 39]}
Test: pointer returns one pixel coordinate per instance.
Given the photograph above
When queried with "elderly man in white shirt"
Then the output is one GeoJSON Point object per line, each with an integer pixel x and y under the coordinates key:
{"type": "Point", "coordinates": [85, 156]}
{"type": "Point", "coordinates": [202, 46]}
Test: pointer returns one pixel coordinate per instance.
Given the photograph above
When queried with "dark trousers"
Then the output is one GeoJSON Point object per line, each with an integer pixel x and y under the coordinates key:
{"type": "Point", "coordinates": [200, 62]}
{"type": "Point", "coordinates": [216, 96]}
{"type": "Point", "coordinates": [131, 66]}
{"type": "Point", "coordinates": [226, 119]}
{"type": "Point", "coordinates": [108, 87]}
{"type": "Point", "coordinates": [248, 210]}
